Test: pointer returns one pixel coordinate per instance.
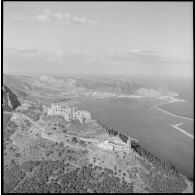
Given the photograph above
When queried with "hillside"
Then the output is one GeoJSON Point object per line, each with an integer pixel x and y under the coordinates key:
{"type": "Point", "coordinates": [46, 154]}
{"type": "Point", "coordinates": [48, 89]}
{"type": "Point", "coordinates": [10, 100]}
{"type": "Point", "coordinates": [68, 158]}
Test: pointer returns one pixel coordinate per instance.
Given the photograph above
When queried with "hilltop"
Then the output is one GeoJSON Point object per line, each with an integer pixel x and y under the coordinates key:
{"type": "Point", "coordinates": [70, 158]}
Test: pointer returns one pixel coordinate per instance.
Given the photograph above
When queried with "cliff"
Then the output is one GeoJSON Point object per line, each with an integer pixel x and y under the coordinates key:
{"type": "Point", "coordinates": [10, 100]}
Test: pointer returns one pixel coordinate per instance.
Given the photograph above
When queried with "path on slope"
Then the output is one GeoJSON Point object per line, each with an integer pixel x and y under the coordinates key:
{"type": "Point", "coordinates": [44, 130]}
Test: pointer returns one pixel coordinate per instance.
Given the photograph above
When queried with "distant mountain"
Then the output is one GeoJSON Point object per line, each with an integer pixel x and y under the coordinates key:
{"type": "Point", "coordinates": [10, 100]}
{"type": "Point", "coordinates": [16, 85]}
{"type": "Point", "coordinates": [30, 88]}
{"type": "Point", "coordinates": [47, 89]}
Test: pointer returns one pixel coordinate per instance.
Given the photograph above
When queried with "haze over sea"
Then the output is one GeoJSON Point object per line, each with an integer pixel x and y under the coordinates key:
{"type": "Point", "coordinates": [136, 118]}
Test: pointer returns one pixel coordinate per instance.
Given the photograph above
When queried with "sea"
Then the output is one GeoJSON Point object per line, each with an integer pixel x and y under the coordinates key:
{"type": "Point", "coordinates": [138, 118]}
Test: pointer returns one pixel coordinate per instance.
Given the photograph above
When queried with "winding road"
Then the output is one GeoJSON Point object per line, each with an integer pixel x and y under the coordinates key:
{"type": "Point", "coordinates": [44, 130]}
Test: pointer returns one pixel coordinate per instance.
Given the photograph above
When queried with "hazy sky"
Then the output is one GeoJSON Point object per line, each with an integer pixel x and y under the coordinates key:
{"type": "Point", "coordinates": [99, 37]}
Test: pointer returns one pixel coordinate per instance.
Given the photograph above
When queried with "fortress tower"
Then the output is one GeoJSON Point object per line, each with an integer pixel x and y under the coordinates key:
{"type": "Point", "coordinates": [69, 113]}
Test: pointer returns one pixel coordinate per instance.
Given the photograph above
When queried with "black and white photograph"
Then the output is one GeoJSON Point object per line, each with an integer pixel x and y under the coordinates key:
{"type": "Point", "coordinates": [97, 97]}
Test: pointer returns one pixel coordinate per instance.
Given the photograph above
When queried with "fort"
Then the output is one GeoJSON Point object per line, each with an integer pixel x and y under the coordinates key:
{"type": "Point", "coordinates": [69, 113]}
{"type": "Point", "coordinates": [115, 145]}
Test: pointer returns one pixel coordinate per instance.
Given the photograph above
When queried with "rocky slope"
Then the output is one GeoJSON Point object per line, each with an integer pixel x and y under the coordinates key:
{"type": "Point", "coordinates": [10, 100]}
{"type": "Point", "coordinates": [38, 159]}
{"type": "Point", "coordinates": [65, 159]}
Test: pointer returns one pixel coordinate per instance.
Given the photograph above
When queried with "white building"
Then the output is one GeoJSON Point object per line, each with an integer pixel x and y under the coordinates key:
{"type": "Point", "coordinates": [106, 145]}
{"type": "Point", "coordinates": [114, 146]}
{"type": "Point", "coordinates": [69, 113]}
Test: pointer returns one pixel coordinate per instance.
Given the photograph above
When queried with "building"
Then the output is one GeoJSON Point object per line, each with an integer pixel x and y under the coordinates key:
{"type": "Point", "coordinates": [82, 116]}
{"type": "Point", "coordinates": [65, 111]}
{"type": "Point", "coordinates": [114, 146]}
{"type": "Point", "coordinates": [69, 113]}
{"type": "Point", "coordinates": [106, 145]}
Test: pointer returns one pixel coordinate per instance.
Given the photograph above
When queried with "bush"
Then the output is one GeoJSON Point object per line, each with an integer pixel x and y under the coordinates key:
{"type": "Point", "coordinates": [81, 142]}
{"type": "Point", "coordinates": [29, 165]}
{"type": "Point", "coordinates": [17, 155]}
{"type": "Point", "coordinates": [74, 140]}
{"type": "Point", "coordinates": [112, 132]}
{"type": "Point", "coordinates": [156, 162]}
{"type": "Point", "coordinates": [9, 127]}
{"type": "Point", "coordinates": [162, 183]}
{"type": "Point", "coordinates": [123, 137]}
{"type": "Point", "coordinates": [12, 176]}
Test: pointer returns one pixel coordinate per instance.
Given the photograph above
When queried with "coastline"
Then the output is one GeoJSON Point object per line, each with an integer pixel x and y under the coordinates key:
{"type": "Point", "coordinates": [156, 154]}
{"type": "Point", "coordinates": [136, 144]}
{"type": "Point", "coordinates": [120, 130]}
{"type": "Point", "coordinates": [176, 126]}
{"type": "Point", "coordinates": [169, 113]}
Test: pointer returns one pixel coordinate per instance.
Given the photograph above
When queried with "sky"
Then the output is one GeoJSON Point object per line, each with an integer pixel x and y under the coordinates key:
{"type": "Point", "coordinates": [145, 38]}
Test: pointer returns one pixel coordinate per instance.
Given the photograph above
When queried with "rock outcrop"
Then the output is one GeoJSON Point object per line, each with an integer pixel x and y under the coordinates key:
{"type": "Point", "coordinates": [10, 100]}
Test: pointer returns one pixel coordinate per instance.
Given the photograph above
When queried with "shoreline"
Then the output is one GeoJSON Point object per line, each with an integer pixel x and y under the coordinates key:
{"type": "Point", "coordinates": [176, 126]}
{"type": "Point", "coordinates": [112, 130]}
{"type": "Point", "coordinates": [171, 114]}
{"type": "Point", "coordinates": [137, 143]}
